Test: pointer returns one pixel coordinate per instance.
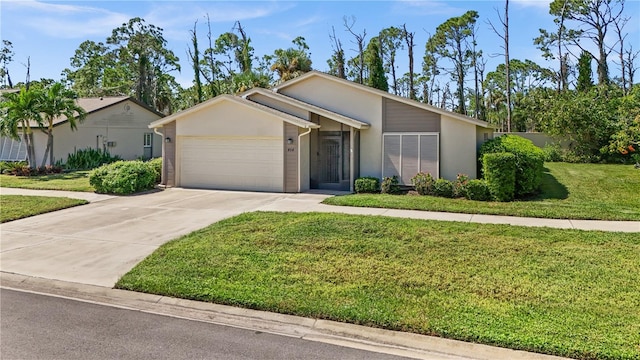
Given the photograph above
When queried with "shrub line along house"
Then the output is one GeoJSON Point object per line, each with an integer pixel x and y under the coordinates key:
{"type": "Point", "coordinates": [119, 124]}
{"type": "Point", "coordinates": [316, 131]}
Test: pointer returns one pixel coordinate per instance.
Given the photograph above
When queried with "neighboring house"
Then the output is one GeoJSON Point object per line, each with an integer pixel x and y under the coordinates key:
{"type": "Point", "coordinates": [118, 124]}
{"type": "Point", "coordinates": [316, 131]}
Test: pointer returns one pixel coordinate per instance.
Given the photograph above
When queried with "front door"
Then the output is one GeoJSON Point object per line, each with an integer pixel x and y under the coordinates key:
{"type": "Point", "coordinates": [333, 160]}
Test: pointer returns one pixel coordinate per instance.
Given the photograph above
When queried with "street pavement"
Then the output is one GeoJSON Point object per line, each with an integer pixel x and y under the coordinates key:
{"type": "Point", "coordinates": [35, 326]}
{"type": "Point", "coordinates": [81, 252]}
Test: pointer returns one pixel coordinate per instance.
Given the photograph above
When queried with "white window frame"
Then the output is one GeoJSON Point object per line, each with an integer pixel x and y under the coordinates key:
{"type": "Point", "coordinates": [437, 134]}
{"type": "Point", "coordinates": [149, 137]}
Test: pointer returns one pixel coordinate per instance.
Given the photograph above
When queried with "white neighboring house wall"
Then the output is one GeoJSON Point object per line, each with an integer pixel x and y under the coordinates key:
{"type": "Point", "coordinates": [119, 128]}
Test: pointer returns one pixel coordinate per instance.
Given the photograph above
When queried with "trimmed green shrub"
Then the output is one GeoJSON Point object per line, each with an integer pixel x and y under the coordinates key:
{"type": "Point", "coordinates": [89, 158]}
{"type": "Point", "coordinates": [367, 184]}
{"type": "Point", "coordinates": [157, 166]}
{"type": "Point", "coordinates": [423, 183]}
{"type": "Point", "coordinates": [123, 177]}
{"type": "Point", "coordinates": [390, 185]}
{"type": "Point", "coordinates": [460, 185]}
{"type": "Point", "coordinates": [500, 174]}
{"type": "Point", "coordinates": [478, 190]}
{"type": "Point", "coordinates": [552, 153]}
{"type": "Point", "coordinates": [443, 188]}
{"type": "Point", "coordinates": [528, 157]}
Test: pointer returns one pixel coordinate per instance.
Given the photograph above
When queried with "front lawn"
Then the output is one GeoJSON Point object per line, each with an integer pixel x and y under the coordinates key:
{"type": "Point", "coordinates": [569, 191]}
{"type": "Point", "coordinates": [563, 292]}
{"type": "Point", "coordinates": [13, 207]}
{"type": "Point", "coordinates": [72, 181]}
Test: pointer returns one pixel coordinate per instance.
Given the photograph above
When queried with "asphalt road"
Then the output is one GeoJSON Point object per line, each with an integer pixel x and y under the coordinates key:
{"type": "Point", "coordinates": [34, 326]}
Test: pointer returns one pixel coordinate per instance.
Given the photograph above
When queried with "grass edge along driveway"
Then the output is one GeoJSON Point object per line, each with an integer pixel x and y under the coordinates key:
{"type": "Point", "coordinates": [14, 207]}
{"type": "Point", "coordinates": [71, 181]}
{"type": "Point", "coordinates": [569, 191]}
{"type": "Point", "coordinates": [562, 292]}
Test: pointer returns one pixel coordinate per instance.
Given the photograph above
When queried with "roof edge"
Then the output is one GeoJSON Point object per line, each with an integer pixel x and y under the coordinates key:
{"type": "Point", "coordinates": [385, 94]}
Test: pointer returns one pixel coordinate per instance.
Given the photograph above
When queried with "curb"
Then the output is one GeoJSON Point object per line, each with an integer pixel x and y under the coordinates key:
{"type": "Point", "coordinates": [325, 331]}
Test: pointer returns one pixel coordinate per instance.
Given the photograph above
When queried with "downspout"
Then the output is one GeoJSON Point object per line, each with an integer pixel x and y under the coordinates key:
{"type": "Point", "coordinates": [163, 176]}
{"type": "Point", "coordinates": [299, 157]}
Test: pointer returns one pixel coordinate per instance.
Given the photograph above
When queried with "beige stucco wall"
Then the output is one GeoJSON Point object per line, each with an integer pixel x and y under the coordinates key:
{"type": "Point", "coordinates": [228, 118]}
{"type": "Point", "coordinates": [123, 123]}
{"type": "Point", "coordinates": [352, 102]}
{"type": "Point", "coordinates": [481, 133]}
{"type": "Point", "coordinates": [457, 148]}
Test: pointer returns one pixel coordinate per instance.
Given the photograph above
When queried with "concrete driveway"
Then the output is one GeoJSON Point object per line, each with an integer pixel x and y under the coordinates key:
{"type": "Point", "coordinates": [98, 243]}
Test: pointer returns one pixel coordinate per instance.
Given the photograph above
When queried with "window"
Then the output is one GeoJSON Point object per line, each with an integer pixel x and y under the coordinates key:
{"type": "Point", "coordinates": [406, 154]}
{"type": "Point", "coordinates": [148, 139]}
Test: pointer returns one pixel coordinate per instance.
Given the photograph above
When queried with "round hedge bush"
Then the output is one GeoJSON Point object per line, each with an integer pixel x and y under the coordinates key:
{"type": "Point", "coordinates": [443, 188]}
{"type": "Point", "coordinates": [478, 190]}
{"type": "Point", "coordinates": [528, 157]}
{"type": "Point", "coordinates": [123, 177]}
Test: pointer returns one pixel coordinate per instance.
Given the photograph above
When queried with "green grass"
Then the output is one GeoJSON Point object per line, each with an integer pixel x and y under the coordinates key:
{"type": "Point", "coordinates": [564, 292]}
{"type": "Point", "coordinates": [13, 207]}
{"type": "Point", "coordinates": [569, 191]}
{"type": "Point", "coordinates": [72, 181]}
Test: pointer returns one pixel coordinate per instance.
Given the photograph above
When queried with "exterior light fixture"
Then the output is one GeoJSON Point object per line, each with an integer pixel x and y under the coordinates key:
{"type": "Point", "coordinates": [167, 139]}
{"type": "Point", "coordinates": [289, 141]}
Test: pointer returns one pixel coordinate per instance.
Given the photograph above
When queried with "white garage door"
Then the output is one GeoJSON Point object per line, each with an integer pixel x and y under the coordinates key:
{"type": "Point", "coordinates": [254, 164]}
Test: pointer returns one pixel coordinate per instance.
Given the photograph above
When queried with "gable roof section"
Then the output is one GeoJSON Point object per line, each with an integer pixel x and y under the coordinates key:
{"type": "Point", "coordinates": [354, 85]}
{"type": "Point", "coordinates": [92, 105]}
{"type": "Point", "coordinates": [309, 107]}
{"type": "Point", "coordinates": [294, 120]}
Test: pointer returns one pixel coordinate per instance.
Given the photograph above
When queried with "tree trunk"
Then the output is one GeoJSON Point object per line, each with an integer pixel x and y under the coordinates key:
{"type": "Point", "coordinates": [408, 37]}
{"type": "Point", "coordinates": [506, 59]}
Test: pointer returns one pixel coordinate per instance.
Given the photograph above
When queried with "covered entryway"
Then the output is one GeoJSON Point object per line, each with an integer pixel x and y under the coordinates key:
{"type": "Point", "coordinates": [335, 153]}
{"type": "Point", "coordinates": [251, 163]}
{"type": "Point", "coordinates": [333, 160]}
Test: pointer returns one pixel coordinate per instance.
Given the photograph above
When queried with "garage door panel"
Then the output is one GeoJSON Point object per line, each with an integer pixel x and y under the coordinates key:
{"type": "Point", "coordinates": [232, 164]}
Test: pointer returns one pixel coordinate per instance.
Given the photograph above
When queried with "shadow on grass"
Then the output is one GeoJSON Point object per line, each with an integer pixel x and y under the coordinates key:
{"type": "Point", "coordinates": [550, 188]}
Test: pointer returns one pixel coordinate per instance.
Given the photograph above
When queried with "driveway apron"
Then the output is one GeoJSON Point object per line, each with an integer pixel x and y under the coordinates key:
{"type": "Point", "coordinates": [98, 243]}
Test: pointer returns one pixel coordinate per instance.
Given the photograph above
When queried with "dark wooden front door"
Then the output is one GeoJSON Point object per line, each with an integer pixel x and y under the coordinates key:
{"type": "Point", "coordinates": [333, 160]}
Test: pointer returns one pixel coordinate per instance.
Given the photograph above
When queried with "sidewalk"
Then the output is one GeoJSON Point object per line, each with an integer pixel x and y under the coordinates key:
{"type": "Point", "coordinates": [307, 202]}
{"type": "Point", "coordinates": [91, 197]}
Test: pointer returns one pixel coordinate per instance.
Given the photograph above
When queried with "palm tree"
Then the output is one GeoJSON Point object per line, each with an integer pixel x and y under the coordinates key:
{"type": "Point", "coordinates": [54, 102]}
{"type": "Point", "coordinates": [292, 62]}
{"type": "Point", "coordinates": [19, 110]}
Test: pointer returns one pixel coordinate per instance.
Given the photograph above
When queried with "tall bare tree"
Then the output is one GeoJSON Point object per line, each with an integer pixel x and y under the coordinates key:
{"type": "Point", "coordinates": [337, 61]}
{"type": "Point", "coordinates": [504, 35]}
{"type": "Point", "coordinates": [360, 42]}
{"type": "Point", "coordinates": [408, 39]}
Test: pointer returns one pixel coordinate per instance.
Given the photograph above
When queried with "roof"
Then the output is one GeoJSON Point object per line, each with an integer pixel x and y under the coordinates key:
{"type": "Point", "coordinates": [91, 105]}
{"type": "Point", "coordinates": [306, 106]}
{"type": "Point", "coordinates": [8, 91]}
{"type": "Point", "coordinates": [315, 73]}
{"type": "Point", "coordinates": [294, 120]}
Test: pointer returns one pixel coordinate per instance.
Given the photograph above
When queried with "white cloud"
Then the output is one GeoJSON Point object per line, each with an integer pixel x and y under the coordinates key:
{"type": "Point", "coordinates": [425, 7]}
{"type": "Point", "coordinates": [540, 4]}
{"type": "Point", "coordinates": [64, 21]}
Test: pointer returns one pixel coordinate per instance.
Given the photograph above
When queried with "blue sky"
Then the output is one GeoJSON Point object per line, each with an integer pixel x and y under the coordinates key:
{"type": "Point", "coordinates": [50, 32]}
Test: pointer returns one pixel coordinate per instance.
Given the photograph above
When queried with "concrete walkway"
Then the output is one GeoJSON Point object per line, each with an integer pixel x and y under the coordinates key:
{"type": "Point", "coordinates": [307, 202]}
{"type": "Point", "coordinates": [81, 252]}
